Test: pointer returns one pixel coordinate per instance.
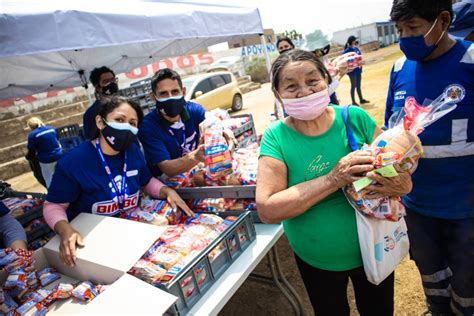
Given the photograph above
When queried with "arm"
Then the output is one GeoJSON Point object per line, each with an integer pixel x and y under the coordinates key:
{"type": "Point", "coordinates": [177, 166]}
{"type": "Point", "coordinates": [12, 232]}
{"type": "Point", "coordinates": [55, 215]}
{"type": "Point", "coordinates": [274, 196]}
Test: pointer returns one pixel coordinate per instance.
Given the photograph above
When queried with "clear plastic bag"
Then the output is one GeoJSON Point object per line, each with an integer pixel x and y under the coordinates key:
{"type": "Point", "coordinates": [398, 149]}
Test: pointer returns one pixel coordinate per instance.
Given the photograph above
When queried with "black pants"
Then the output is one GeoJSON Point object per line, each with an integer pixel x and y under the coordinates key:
{"type": "Point", "coordinates": [356, 81]}
{"type": "Point", "coordinates": [327, 291]}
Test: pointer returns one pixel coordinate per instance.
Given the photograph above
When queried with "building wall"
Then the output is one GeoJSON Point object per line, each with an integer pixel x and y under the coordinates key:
{"type": "Point", "coordinates": [270, 37]}
{"type": "Point", "coordinates": [382, 32]}
{"type": "Point", "coordinates": [365, 33]}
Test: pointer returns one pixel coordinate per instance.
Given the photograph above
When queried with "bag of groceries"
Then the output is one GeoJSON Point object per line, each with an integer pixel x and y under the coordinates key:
{"type": "Point", "coordinates": [397, 150]}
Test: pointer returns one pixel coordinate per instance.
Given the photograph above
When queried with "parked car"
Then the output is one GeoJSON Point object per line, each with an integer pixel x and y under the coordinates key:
{"type": "Point", "coordinates": [234, 64]}
{"type": "Point", "coordinates": [214, 90]}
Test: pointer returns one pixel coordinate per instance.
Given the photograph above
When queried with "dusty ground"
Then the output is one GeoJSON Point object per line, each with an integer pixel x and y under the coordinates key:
{"type": "Point", "coordinates": [260, 299]}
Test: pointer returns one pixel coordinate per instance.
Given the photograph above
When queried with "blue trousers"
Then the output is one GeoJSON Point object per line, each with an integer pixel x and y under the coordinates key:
{"type": "Point", "coordinates": [444, 254]}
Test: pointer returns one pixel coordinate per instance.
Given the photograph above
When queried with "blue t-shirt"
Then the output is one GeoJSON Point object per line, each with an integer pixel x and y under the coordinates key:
{"type": "Point", "coordinates": [88, 120]}
{"type": "Point", "coordinates": [44, 141]}
{"type": "Point", "coordinates": [81, 180]}
{"type": "Point", "coordinates": [443, 184]}
{"type": "Point", "coordinates": [161, 142]}
{"type": "Point", "coordinates": [357, 70]}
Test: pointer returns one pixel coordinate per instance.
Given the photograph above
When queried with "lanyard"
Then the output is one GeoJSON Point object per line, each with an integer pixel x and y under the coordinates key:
{"type": "Point", "coordinates": [119, 194]}
{"type": "Point", "coordinates": [184, 149]}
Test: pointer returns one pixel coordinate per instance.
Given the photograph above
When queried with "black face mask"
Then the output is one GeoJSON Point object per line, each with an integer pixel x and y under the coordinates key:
{"type": "Point", "coordinates": [119, 135]}
{"type": "Point", "coordinates": [171, 106]}
{"type": "Point", "coordinates": [110, 89]}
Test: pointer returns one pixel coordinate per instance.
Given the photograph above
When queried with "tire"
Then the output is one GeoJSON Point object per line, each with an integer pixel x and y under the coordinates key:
{"type": "Point", "coordinates": [237, 103]}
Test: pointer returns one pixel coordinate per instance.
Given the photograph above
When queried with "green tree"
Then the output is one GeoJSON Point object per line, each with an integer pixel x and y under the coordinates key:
{"type": "Point", "coordinates": [316, 39]}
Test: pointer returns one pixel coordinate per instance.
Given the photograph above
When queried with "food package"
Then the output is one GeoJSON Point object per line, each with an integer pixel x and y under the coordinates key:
{"type": "Point", "coordinates": [217, 154]}
{"type": "Point", "coordinates": [139, 215]}
{"type": "Point", "coordinates": [166, 257]}
{"type": "Point", "coordinates": [85, 291]}
{"type": "Point", "coordinates": [352, 59]}
{"type": "Point", "coordinates": [148, 271]}
{"type": "Point", "coordinates": [397, 150]}
{"type": "Point", "coordinates": [178, 181]}
{"type": "Point", "coordinates": [245, 164]}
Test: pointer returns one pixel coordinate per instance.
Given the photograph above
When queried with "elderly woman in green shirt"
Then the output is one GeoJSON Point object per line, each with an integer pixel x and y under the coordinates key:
{"type": "Point", "coordinates": [305, 160]}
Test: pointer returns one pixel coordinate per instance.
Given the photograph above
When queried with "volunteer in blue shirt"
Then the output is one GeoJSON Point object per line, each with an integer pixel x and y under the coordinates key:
{"type": "Point", "coordinates": [441, 205]}
{"type": "Point", "coordinates": [12, 234]}
{"type": "Point", "coordinates": [355, 75]}
{"type": "Point", "coordinates": [105, 83]}
{"type": "Point", "coordinates": [103, 176]}
{"type": "Point", "coordinates": [43, 142]}
{"type": "Point", "coordinates": [170, 135]}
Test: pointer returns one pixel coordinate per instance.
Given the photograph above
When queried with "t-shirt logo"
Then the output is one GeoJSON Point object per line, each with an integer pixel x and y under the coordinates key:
{"type": "Point", "coordinates": [316, 168]}
{"type": "Point", "coordinates": [400, 95]}
{"type": "Point", "coordinates": [111, 207]}
{"type": "Point", "coordinates": [455, 93]}
{"type": "Point", "coordinates": [111, 139]}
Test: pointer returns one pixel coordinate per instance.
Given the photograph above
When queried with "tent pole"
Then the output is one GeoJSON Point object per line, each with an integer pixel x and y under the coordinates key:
{"type": "Point", "coordinates": [267, 56]}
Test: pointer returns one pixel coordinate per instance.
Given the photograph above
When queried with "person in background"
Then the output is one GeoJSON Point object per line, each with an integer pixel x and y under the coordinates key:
{"type": "Point", "coordinates": [462, 27]}
{"type": "Point", "coordinates": [440, 209]}
{"type": "Point", "coordinates": [305, 161]}
{"type": "Point", "coordinates": [43, 143]}
{"type": "Point", "coordinates": [103, 176]}
{"type": "Point", "coordinates": [105, 83]}
{"type": "Point", "coordinates": [12, 234]}
{"type": "Point", "coordinates": [284, 44]}
{"type": "Point", "coordinates": [355, 75]}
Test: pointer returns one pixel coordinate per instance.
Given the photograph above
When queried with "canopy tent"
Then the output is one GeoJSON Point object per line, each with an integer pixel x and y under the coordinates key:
{"type": "Point", "coordinates": [51, 45]}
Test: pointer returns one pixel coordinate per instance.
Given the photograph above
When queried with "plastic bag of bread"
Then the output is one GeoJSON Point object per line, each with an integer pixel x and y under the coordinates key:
{"type": "Point", "coordinates": [398, 149]}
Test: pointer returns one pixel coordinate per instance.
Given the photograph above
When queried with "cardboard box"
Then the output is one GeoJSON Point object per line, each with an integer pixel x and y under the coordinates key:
{"type": "Point", "coordinates": [112, 246]}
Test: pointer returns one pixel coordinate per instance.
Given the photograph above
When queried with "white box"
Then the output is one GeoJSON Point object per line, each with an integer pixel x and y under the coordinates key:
{"type": "Point", "coordinates": [106, 261]}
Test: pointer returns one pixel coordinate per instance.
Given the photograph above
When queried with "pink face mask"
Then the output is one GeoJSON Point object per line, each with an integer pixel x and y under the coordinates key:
{"type": "Point", "coordinates": [309, 107]}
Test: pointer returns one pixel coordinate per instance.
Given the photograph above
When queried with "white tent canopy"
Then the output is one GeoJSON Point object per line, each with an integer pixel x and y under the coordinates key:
{"type": "Point", "coordinates": [47, 45]}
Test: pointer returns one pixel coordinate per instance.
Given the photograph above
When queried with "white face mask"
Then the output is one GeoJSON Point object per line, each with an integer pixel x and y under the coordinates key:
{"type": "Point", "coordinates": [177, 125]}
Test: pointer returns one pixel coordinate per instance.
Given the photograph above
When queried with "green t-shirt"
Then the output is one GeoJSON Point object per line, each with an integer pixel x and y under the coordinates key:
{"type": "Point", "coordinates": [325, 236]}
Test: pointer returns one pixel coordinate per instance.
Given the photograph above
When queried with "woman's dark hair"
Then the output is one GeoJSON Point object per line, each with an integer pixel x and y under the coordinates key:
{"type": "Point", "coordinates": [425, 9]}
{"type": "Point", "coordinates": [351, 39]}
{"type": "Point", "coordinates": [163, 74]}
{"type": "Point", "coordinates": [292, 56]}
{"type": "Point", "coordinates": [285, 39]}
{"type": "Point", "coordinates": [110, 104]}
{"type": "Point", "coordinates": [97, 72]}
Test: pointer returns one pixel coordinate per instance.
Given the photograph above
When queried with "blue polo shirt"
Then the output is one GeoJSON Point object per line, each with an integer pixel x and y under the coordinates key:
{"type": "Point", "coordinates": [44, 141]}
{"type": "Point", "coordinates": [161, 142]}
{"type": "Point", "coordinates": [443, 184]}
{"type": "Point", "coordinates": [88, 120]}
{"type": "Point", "coordinates": [81, 180]}
{"type": "Point", "coordinates": [357, 70]}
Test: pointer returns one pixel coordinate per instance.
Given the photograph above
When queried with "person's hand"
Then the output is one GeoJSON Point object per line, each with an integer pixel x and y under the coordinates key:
{"type": "Point", "coordinates": [392, 187]}
{"type": "Point", "coordinates": [198, 153]}
{"type": "Point", "coordinates": [176, 201]}
{"type": "Point", "coordinates": [342, 69]}
{"type": "Point", "coordinates": [351, 168]}
{"type": "Point", "coordinates": [230, 139]}
{"type": "Point", "coordinates": [70, 238]}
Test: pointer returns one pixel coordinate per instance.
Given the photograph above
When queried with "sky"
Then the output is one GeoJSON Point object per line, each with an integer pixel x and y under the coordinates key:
{"type": "Point", "coordinates": [305, 16]}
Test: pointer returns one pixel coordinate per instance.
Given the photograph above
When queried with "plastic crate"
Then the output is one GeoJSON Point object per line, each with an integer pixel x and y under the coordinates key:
{"type": "Point", "coordinates": [190, 284]}
{"type": "Point", "coordinates": [249, 126]}
{"type": "Point", "coordinates": [230, 191]}
{"type": "Point", "coordinates": [140, 93]}
{"type": "Point", "coordinates": [68, 131]}
{"type": "Point", "coordinates": [69, 143]}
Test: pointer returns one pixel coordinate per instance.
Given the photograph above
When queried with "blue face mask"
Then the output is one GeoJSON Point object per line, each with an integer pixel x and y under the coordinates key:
{"type": "Point", "coordinates": [415, 47]}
